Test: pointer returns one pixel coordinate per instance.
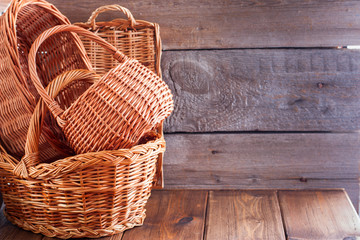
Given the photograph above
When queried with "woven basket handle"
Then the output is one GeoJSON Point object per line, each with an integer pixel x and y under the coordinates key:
{"type": "Point", "coordinates": [31, 157]}
{"type": "Point", "coordinates": [53, 106]}
{"type": "Point", "coordinates": [114, 7]}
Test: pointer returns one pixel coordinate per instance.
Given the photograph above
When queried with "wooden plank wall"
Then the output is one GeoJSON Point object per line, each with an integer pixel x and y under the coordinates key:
{"type": "Point", "coordinates": [264, 99]}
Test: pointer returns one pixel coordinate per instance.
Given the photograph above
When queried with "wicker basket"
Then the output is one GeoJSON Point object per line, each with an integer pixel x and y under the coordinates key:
{"type": "Point", "coordinates": [137, 39]}
{"type": "Point", "coordinates": [22, 22]}
{"type": "Point", "coordinates": [89, 195]}
{"type": "Point", "coordinates": [115, 112]}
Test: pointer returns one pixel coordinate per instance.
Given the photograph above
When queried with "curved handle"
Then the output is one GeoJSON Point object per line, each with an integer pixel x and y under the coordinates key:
{"type": "Point", "coordinates": [31, 157]}
{"type": "Point", "coordinates": [53, 106]}
{"type": "Point", "coordinates": [114, 7]}
{"type": "Point", "coordinates": [158, 50]}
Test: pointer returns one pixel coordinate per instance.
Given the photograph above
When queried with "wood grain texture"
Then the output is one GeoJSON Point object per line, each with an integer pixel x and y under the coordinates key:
{"type": "Point", "coordinates": [204, 24]}
{"type": "Point", "coordinates": [263, 90]}
{"type": "Point", "coordinates": [254, 214]}
{"type": "Point", "coordinates": [263, 161]}
{"type": "Point", "coordinates": [172, 215]}
{"type": "Point", "coordinates": [244, 215]}
{"type": "Point", "coordinates": [318, 215]}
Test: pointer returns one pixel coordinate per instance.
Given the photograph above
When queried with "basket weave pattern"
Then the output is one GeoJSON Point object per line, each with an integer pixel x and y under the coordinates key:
{"type": "Point", "coordinates": [100, 191]}
{"type": "Point", "coordinates": [116, 111]}
{"type": "Point", "coordinates": [91, 195]}
{"type": "Point", "coordinates": [106, 99]}
{"type": "Point", "coordinates": [23, 21]}
{"type": "Point", "coordinates": [87, 195]}
{"type": "Point", "coordinates": [137, 39]}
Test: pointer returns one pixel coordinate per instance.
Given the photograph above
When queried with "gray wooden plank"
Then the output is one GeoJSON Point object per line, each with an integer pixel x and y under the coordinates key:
{"type": "Point", "coordinates": [204, 24]}
{"type": "Point", "coordinates": [263, 90]}
{"type": "Point", "coordinates": [244, 215]}
{"type": "Point", "coordinates": [172, 215]}
{"type": "Point", "coordinates": [263, 161]}
{"type": "Point", "coordinates": [314, 215]}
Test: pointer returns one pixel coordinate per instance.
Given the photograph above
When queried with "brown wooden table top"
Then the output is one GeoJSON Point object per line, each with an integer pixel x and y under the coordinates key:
{"type": "Point", "coordinates": [236, 214]}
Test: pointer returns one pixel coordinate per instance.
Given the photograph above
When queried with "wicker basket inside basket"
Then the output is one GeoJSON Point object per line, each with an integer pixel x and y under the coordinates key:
{"type": "Point", "coordinates": [117, 110]}
{"type": "Point", "coordinates": [88, 195]}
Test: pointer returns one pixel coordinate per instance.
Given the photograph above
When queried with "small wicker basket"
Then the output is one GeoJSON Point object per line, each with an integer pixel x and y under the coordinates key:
{"type": "Point", "coordinates": [22, 22]}
{"type": "Point", "coordinates": [127, 102]}
{"type": "Point", "coordinates": [88, 195]}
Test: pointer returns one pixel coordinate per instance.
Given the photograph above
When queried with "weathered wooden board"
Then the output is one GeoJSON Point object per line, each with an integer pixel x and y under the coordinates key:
{"type": "Point", "coordinates": [314, 215]}
{"type": "Point", "coordinates": [172, 215]}
{"type": "Point", "coordinates": [204, 24]}
{"type": "Point", "coordinates": [263, 161]}
{"type": "Point", "coordinates": [243, 215]}
{"type": "Point", "coordinates": [265, 90]}
{"type": "Point", "coordinates": [240, 214]}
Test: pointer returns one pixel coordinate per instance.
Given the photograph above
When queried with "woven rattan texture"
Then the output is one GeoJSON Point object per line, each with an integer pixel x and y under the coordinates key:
{"type": "Point", "coordinates": [135, 44]}
{"type": "Point", "coordinates": [117, 110]}
{"type": "Point", "coordinates": [88, 195]}
{"type": "Point", "coordinates": [22, 22]}
{"type": "Point", "coordinates": [137, 39]}
{"type": "Point", "coordinates": [124, 105]}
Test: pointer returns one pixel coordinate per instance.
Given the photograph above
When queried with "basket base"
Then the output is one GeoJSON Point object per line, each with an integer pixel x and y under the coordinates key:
{"type": "Point", "coordinates": [82, 232]}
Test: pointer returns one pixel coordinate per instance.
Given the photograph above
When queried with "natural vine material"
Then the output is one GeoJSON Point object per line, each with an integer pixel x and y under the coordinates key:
{"type": "Point", "coordinates": [137, 39]}
{"type": "Point", "coordinates": [22, 22]}
{"type": "Point", "coordinates": [117, 110]}
{"type": "Point", "coordinates": [88, 195]}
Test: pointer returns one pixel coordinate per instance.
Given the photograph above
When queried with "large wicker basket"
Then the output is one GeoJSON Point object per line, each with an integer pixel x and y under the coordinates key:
{"type": "Point", "coordinates": [135, 38]}
{"type": "Point", "coordinates": [22, 22]}
{"type": "Point", "coordinates": [88, 195]}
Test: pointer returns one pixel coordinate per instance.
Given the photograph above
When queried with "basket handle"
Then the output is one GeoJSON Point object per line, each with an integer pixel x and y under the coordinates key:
{"type": "Point", "coordinates": [31, 157]}
{"type": "Point", "coordinates": [53, 106]}
{"type": "Point", "coordinates": [106, 8]}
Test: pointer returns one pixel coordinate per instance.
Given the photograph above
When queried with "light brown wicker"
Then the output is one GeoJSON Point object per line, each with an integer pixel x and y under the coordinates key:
{"type": "Point", "coordinates": [22, 22]}
{"type": "Point", "coordinates": [137, 39]}
{"type": "Point", "coordinates": [117, 110]}
{"type": "Point", "coordinates": [89, 195]}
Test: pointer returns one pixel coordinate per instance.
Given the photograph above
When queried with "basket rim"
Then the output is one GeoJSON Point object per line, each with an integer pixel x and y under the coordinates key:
{"type": "Point", "coordinates": [140, 25]}
{"type": "Point", "coordinates": [78, 162]}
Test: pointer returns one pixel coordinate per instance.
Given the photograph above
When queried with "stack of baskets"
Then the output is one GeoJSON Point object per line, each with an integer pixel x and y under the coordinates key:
{"type": "Point", "coordinates": [80, 148]}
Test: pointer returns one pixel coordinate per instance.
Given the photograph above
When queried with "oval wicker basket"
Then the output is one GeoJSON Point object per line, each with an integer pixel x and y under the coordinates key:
{"type": "Point", "coordinates": [127, 102]}
{"type": "Point", "coordinates": [20, 25]}
{"type": "Point", "coordinates": [88, 195]}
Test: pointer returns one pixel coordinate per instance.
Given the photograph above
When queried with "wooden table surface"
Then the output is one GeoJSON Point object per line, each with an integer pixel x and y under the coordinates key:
{"type": "Point", "coordinates": [236, 214]}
